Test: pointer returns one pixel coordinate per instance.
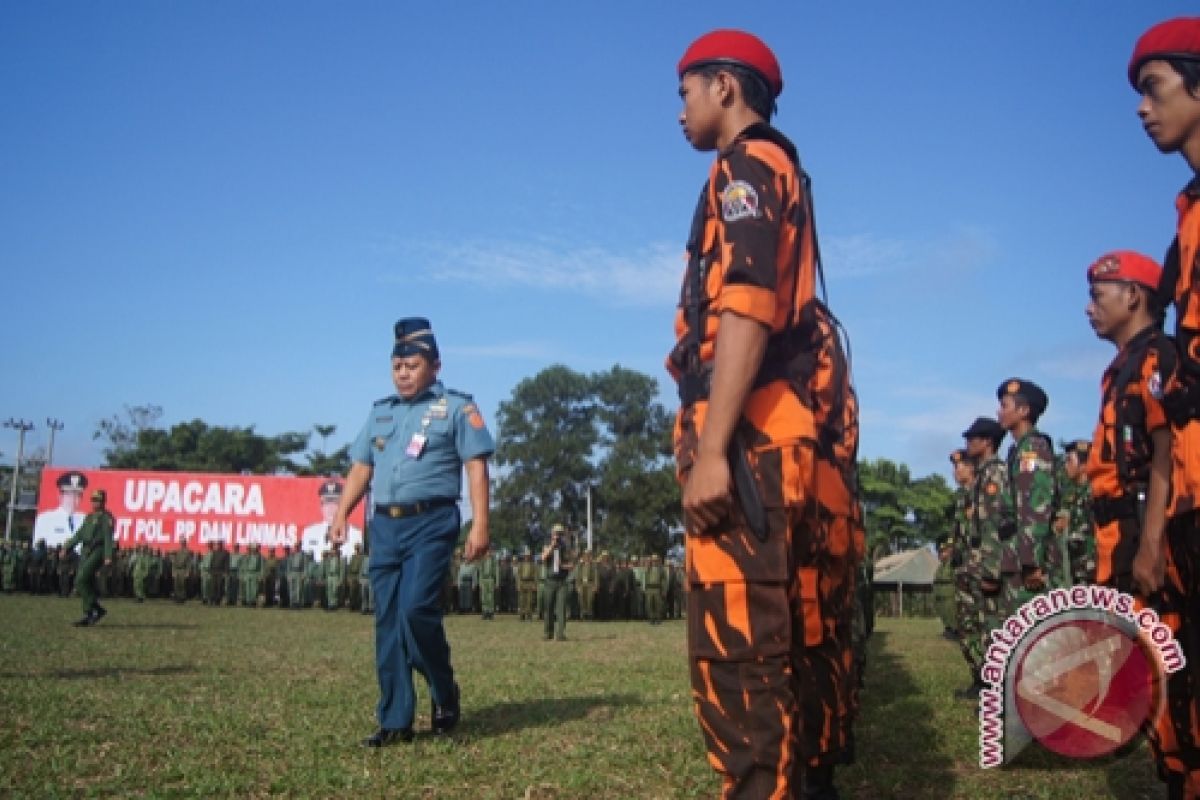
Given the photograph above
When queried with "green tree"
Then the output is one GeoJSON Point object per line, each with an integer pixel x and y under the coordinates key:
{"type": "Point", "coordinates": [322, 462]}
{"type": "Point", "coordinates": [120, 431]}
{"type": "Point", "coordinates": [198, 447]}
{"type": "Point", "coordinates": [902, 513]}
{"type": "Point", "coordinates": [545, 438]}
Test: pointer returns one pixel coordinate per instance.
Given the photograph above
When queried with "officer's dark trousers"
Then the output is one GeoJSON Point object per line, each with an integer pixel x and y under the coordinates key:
{"type": "Point", "coordinates": [409, 559]}
{"type": "Point", "coordinates": [85, 578]}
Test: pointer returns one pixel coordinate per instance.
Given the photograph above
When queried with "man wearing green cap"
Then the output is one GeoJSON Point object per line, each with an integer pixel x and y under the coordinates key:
{"type": "Point", "coordinates": [96, 537]}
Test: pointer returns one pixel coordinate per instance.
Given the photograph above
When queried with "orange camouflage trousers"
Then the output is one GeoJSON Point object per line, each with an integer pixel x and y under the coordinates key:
{"type": "Point", "coordinates": [1175, 734]}
{"type": "Point", "coordinates": [769, 631]}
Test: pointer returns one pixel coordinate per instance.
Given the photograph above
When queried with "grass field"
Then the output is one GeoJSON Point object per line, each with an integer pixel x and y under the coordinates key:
{"type": "Point", "coordinates": [162, 700]}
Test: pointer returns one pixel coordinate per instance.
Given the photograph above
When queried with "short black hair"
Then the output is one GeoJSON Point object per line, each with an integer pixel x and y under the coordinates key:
{"type": "Point", "coordinates": [755, 92]}
{"type": "Point", "coordinates": [1189, 70]}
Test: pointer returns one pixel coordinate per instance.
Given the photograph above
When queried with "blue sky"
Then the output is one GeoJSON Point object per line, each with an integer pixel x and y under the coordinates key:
{"type": "Point", "coordinates": [222, 207]}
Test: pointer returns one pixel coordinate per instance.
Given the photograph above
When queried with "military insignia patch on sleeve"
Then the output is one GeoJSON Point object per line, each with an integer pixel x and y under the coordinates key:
{"type": "Point", "coordinates": [739, 201]}
{"type": "Point", "coordinates": [473, 416]}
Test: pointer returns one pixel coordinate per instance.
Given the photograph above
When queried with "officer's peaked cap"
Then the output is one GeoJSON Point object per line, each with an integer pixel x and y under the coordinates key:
{"type": "Point", "coordinates": [72, 481]}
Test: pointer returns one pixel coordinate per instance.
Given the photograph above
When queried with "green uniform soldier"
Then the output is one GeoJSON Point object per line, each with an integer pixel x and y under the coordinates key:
{"type": "Point", "coordinates": [1074, 518]}
{"type": "Point", "coordinates": [364, 582]}
{"type": "Point", "coordinates": [7, 577]}
{"type": "Point", "coordinates": [66, 571]}
{"type": "Point", "coordinates": [604, 588]}
{"type": "Point", "coordinates": [587, 578]}
{"type": "Point", "coordinates": [333, 569]}
{"type": "Point", "coordinates": [507, 603]}
{"type": "Point", "coordinates": [558, 562]}
{"type": "Point", "coordinates": [993, 523]}
{"type": "Point", "coordinates": [206, 576]}
{"type": "Point", "coordinates": [450, 588]}
{"type": "Point", "coordinates": [527, 587]}
{"type": "Point", "coordinates": [354, 579]}
{"type": "Point", "coordinates": [233, 578]}
{"type": "Point", "coordinates": [541, 588]}
{"type": "Point", "coordinates": [967, 599]}
{"type": "Point", "coordinates": [656, 584]}
{"type": "Point", "coordinates": [181, 569]}
{"type": "Point", "coordinates": [250, 570]}
{"type": "Point", "coordinates": [943, 588]}
{"type": "Point", "coordinates": [294, 566]}
{"type": "Point", "coordinates": [1031, 478]}
{"type": "Point", "coordinates": [95, 536]}
{"type": "Point", "coordinates": [489, 578]}
{"type": "Point", "coordinates": [140, 569]}
{"type": "Point", "coordinates": [314, 582]}
{"type": "Point", "coordinates": [220, 573]}
{"type": "Point", "coordinates": [637, 603]}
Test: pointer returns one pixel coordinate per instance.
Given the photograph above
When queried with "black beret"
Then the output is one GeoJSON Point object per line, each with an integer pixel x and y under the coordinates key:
{"type": "Point", "coordinates": [984, 428]}
{"type": "Point", "coordinates": [1028, 391]}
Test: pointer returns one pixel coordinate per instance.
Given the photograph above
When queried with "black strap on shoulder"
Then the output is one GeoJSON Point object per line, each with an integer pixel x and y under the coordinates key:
{"type": "Point", "coordinates": [1129, 436]}
{"type": "Point", "coordinates": [1166, 285]}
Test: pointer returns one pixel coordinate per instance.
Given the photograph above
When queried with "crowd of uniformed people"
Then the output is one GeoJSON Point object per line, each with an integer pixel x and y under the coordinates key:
{"type": "Point", "coordinates": [600, 586]}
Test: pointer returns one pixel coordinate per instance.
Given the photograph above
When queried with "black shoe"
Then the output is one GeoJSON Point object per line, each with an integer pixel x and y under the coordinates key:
{"type": "Point", "coordinates": [444, 718]}
{"type": "Point", "coordinates": [88, 619]}
{"type": "Point", "coordinates": [385, 736]}
{"type": "Point", "coordinates": [968, 693]}
{"type": "Point", "coordinates": [98, 612]}
{"type": "Point", "coordinates": [950, 634]}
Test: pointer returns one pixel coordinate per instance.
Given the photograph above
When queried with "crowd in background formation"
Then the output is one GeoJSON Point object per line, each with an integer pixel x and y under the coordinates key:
{"type": "Point", "coordinates": [599, 587]}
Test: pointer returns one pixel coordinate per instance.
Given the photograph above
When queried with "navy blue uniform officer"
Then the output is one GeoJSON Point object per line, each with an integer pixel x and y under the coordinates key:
{"type": "Point", "coordinates": [412, 451]}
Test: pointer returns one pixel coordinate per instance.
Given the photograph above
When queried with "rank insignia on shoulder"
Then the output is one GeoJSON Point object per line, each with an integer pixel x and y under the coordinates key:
{"type": "Point", "coordinates": [739, 201]}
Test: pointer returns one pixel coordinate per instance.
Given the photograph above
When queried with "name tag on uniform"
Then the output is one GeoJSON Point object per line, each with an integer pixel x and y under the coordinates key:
{"type": "Point", "coordinates": [415, 446]}
{"type": "Point", "coordinates": [437, 412]}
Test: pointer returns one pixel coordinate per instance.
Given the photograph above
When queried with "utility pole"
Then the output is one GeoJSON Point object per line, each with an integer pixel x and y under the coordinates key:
{"type": "Point", "coordinates": [21, 426]}
{"type": "Point", "coordinates": [53, 425]}
{"type": "Point", "coordinates": [589, 518]}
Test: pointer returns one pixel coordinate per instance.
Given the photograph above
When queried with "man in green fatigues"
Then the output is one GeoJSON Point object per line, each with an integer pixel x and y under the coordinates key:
{"type": "Point", "coordinates": [234, 576]}
{"type": "Point", "coordinates": [206, 580]}
{"type": "Point", "coordinates": [637, 603]}
{"type": "Point", "coordinates": [250, 570]}
{"type": "Point", "coordinates": [96, 537]}
{"type": "Point", "coordinates": [295, 577]}
{"type": "Point", "coordinates": [220, 573]}
{"type": "Point", "coordinates": [966, 556]}
{"type": "Point", "coordinates": [364, 581]}
{"type": "Point", "coordinates": [541, 588]}
{"type": "Point", "coordinates": [354, 579]}
{"type": "Point", "coordinates": [1074, 518]}
{"type": "Point", "coordinates": [181, 569]}
{"type": "Point", "coordinates": [333, 569]}
{"type": "Point", "coordinates": [993, 523]}
{"type": "Point", "coordinates": [558, 560]}
{"type": "Point", "coordinates": [943, 588]}
{"type": "Point", "coordinates": [314, 582]}
{"type": "Point", "coordinates": [527, 586]}
{"type": "Point", "coordinates": [489, 574]}
{"type": "Point", "coordinates": [507, 603]}
{"type": "Point", "coordinates": [1031, 478]}
{"type": "Point", "coordinates": [656, 582]}
{"type": "Point", "coordinates": [140, 569]}
{"type": "Point", "coordinates": [586, 579]}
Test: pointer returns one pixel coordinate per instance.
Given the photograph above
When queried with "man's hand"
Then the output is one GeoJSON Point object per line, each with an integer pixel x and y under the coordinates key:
{"type": "Point", "coordinates": [477, 542]}
{"type": "Point", "coordinates": [708, 494]}
{"type": "Point", "coordinates": [1149, 566]}
{"type": "Point", "coordinates": [337, 530]}
{"type": "Point", "coordinates": [1034, 580]}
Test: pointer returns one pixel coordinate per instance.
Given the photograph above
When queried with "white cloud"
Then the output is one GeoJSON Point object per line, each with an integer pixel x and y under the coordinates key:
{"type": "Point", "coordinates": [532, 351]}
{"type": "Point", "coordinates": [859, 255]}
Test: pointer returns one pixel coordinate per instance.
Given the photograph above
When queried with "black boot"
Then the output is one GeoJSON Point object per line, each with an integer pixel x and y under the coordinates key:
{"type": "Point", "coordinates": [818, 784]}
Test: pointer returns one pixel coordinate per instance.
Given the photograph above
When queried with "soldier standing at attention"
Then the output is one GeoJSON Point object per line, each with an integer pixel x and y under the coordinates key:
{"type": "Point", "coordinates": [558, 562]}
{"type": "Point", "coordinates": [1130, 462]}
{"type": "Point", "coordinates": [295, 577]}
{"type": "Point", "coordinates": [364, 584]}
{"type": "Point", "coordinates": [249, 574]}
{"type": "Point", "coordinates": [1165, 71]}
{"type": "Point", "coordinates": [141, 572]}
{"type": "Point", "coordinates": [181, 567]}
{"type": "Point", "coordinates": [771, 568]}
{"type": "Point", "coordinates": [353, 586]}
{"type": "Point", "coordinates": [1031, 477]}
{"type": "Point", "coordinates": [333, 570]}
{"type": "Point", "coordinates": [993, 524]}
{"type": "Point", "coordinates": [234, 576]}
{"type": "Point", "coordinates": [1073, 521]}
{"type": "Point", "coordinates": [489, 573]}
{"type": "Point", "coordinates": [206, 576]}
{"type": "Point", "coordinates": [526, 587]}
{"type": "Point", "coordinates": [656, 583]}
{"type": "Point", "coordinates": [412, 451]}
{"type": "Point", "coordinates": [966, 550]}
{"type": "Point", "coordinates": [586, 578]}
{"type": "Point", "coordinates": [95, 536]}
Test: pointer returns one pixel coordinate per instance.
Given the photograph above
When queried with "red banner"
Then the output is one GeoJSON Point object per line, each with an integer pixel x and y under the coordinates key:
{"type": "Point", "coordinates": [163, 509]}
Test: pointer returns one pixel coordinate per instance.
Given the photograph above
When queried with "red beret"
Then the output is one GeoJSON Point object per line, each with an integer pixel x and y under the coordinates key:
{"type": "Point", "coordinates": [734, 47]}
{"type": "Point", "coordinates": [1126, 265]}
{"type": "Point", "coordinates": [1175, 38]}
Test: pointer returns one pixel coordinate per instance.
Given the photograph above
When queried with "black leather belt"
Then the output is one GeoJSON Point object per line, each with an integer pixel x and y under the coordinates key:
{"type": "Point", "coordinates": [397, 510]}
{"type": "Point", "coordinates": [1109, 509]}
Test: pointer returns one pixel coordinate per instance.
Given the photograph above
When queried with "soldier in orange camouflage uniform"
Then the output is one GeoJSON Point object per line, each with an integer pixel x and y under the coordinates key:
{"type": "Point", "coordinates": [762, 379]}
{"type": "Point", "coordinates": [1165, 71]}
